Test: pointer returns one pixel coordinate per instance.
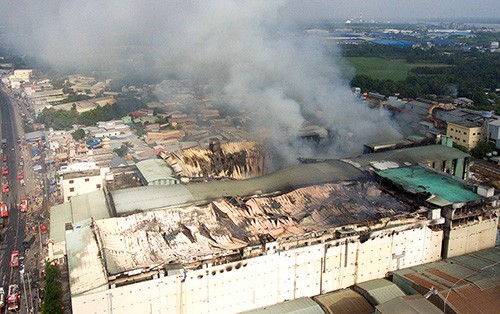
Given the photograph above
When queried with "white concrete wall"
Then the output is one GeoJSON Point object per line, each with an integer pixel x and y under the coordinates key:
{"type": "Point", "coordinates": [270, 279]}
{"type": "Point", "coordinates": [80, 186]}
{"type": "Point", "coordinates": [470, 238]}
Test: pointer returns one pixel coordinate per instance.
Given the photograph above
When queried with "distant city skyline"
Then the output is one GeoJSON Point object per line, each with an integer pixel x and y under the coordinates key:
{"type": "Point", "coordinates": [391, 10]}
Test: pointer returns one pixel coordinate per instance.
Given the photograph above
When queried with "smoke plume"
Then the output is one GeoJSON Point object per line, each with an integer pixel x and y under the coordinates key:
{"type": "Point", "coordinates": [248, 52]}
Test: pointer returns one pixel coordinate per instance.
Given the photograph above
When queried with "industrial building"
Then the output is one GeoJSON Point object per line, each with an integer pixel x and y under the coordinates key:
{"type": "Point", "coordinates": [156, 172]}
{"type": "Point", "coordinates": [235, 245]}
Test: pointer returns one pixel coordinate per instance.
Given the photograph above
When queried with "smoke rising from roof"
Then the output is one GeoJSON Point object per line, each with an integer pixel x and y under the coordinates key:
{"type": "Point", "coordinates": [248, 53]}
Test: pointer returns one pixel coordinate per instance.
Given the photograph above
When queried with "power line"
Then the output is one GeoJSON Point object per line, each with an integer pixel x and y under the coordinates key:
{"type": "Point", "coordinates": [473, 273]}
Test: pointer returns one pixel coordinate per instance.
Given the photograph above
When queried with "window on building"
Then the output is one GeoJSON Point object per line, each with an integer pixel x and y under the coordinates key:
{"type": "Point", "coordinates": [87, 179]}
{"type": "Point", "coordinates": [72, 189]}
{"type": "Point", "coordinates": [98, 186]}
{"type": "Point", "coordinates": [71, 181]}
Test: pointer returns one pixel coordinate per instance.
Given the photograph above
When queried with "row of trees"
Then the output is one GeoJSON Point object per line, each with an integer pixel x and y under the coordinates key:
{"type": "Point", "coordinates": [466, 73]}
{"type": "Point", "coordinates": [65, 119]}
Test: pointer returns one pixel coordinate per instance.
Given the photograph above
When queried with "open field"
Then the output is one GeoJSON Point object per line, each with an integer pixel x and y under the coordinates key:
{"type": "Point", "coordinates": [380, 68]}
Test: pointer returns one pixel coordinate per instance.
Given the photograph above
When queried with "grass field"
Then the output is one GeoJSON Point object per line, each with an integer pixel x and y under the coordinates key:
{"type": "Point", "coordinates": [380, 68]}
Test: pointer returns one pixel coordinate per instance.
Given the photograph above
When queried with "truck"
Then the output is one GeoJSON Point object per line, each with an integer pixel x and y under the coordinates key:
{"type": "Point", "coordinates": [14, 259]}
{"type": "Point", "coordinates": [4, 210]}
{"type": "Point", "coordinates": [13, 298]}
{"type": "Point", "coordinates": [5, 185]}
{"type": "Point", "coordinates": [2, 298]}
{"type": "Point", "coordinates": [28, 241]}
{"type": "Point", "coordinates": [23, 205]}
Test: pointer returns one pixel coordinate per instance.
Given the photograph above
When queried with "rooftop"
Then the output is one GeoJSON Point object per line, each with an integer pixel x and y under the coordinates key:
{"type": "Point", "coordinates": [87, 272]}
{"type": "Point", "coordinates": [154, 170]}
{"type": "Point", "coordinates": [190, 234]}
{"type": "Point", "coordinates": [465, 284]}
{"type": "Point", "coordinates": [297, 306]}
{"type": "Point", "coordinates": [345, 301]}
{"type": "Point", "coordinates": [442, 190]}
{"type": "Point", "coordinates": [131, 200]}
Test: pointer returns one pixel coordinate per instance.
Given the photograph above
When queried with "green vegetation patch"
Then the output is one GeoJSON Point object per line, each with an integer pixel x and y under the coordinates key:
{"type": "Point", "coordinates": [385, 69]}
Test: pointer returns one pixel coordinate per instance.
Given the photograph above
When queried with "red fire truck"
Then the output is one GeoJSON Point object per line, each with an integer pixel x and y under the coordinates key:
{"type": "Point", "coordinates": [14, 259]}
{"type": "Point", "coordinates": [23, 205]}
{"type": "Point", "coordinates": [4, 210]}
{"type": "Point", "coordinates": [13, 298]}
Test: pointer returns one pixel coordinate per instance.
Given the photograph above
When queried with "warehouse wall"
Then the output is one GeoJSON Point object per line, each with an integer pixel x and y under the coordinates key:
{"type": "Point", "coordinates": [269, 279]}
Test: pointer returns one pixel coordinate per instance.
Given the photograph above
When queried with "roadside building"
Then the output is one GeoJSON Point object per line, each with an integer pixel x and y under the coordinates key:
{"type": "Point", "coordinates": [81, 178]}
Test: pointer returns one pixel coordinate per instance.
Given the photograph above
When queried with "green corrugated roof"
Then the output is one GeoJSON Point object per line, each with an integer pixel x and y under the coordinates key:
{"type": "Point", "coordinates": [418, 179]}
{"type": "Point", "coordinates": [381, 290]}
{"type": "Point", "coordinates": [59, 216]}
{"type": "Point", "coordinates": [297, 306]}
{"type": "Point", "coordinates": [345, 301]}
{"type": "Point", "coordinates": [415, 304]}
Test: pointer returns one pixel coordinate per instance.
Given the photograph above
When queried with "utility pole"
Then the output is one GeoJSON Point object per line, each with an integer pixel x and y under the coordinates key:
{"type": "Point", "coordinates": [24, 288]}
{"type": "Point", "coordinates": [29, 289]}
{"type": "Point", "coordinates": [40, 235]}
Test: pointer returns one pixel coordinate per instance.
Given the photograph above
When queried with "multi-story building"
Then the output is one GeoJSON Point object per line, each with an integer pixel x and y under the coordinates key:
{"type": "Point", "coordinates": [466, 134]}
{"type": "Point", "coordinates": [81, 178]}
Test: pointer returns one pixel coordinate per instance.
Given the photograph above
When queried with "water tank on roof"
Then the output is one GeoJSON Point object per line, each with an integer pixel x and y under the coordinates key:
{"type": "Point", "coordinates": [486, 114]}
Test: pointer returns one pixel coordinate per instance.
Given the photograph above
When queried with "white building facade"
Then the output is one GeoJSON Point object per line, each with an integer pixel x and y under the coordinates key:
{"type": "Point", "coordinates": [276, 277]}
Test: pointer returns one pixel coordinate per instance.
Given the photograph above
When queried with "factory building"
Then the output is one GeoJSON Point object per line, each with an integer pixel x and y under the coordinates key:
{"type": "Point", "coordinates": [232, 246]}
{"type": "Point", "coordinates": [465, 133]}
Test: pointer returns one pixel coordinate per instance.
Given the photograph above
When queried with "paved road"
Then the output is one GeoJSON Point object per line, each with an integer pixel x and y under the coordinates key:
{"type": "Point", "coordinates": [14, 230]}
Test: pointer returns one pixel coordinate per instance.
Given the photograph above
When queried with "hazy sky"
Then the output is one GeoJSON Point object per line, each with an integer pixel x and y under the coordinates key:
{"type": "Point", "coordinates": [400, 10]}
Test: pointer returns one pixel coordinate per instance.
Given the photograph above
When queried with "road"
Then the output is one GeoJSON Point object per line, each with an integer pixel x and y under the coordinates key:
{"type": "Point", "coordinates": [14, 230]}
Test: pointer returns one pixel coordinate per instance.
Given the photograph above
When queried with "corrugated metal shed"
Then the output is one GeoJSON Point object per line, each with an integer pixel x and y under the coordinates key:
{"type": "Point", "coordinates": [411, 304]}
{"type": "Point", "coordinates": [465, 284]}
{"type": "Point", "coordinates": [379, 291]}
{"type": "Point", "coordinates": [153, 170]}
{"type": "Point", "coordinates": [297, 306]}
{"type": "Point", "coordinates": [344, 301]}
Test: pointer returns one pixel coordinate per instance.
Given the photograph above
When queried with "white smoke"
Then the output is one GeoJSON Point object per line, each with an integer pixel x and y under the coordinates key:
{"type": "Point", "coordinates": [246, 50]}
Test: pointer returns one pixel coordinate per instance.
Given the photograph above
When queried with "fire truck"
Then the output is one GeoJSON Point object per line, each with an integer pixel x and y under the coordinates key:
{"type": "Point", "coordinates": [2, 298]}
{"type": "Point", "coordinates": [4, 210]}
{"type": "Point", "coordinates": [13, 298]}
{"type": "Point", "coordinates": [14, 259]}
{"type": "Point", "coordinates": [5, 185]}
{"type": "Point", "coordinates": [23, 205]}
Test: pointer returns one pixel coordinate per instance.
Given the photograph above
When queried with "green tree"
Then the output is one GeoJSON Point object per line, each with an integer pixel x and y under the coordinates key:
{"type": "Point", "coordinates": [78, 134]}
{"type": "Point", "coordinates": [52, 293]}
{"type": "Point", "coordinates": [481, 149]}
